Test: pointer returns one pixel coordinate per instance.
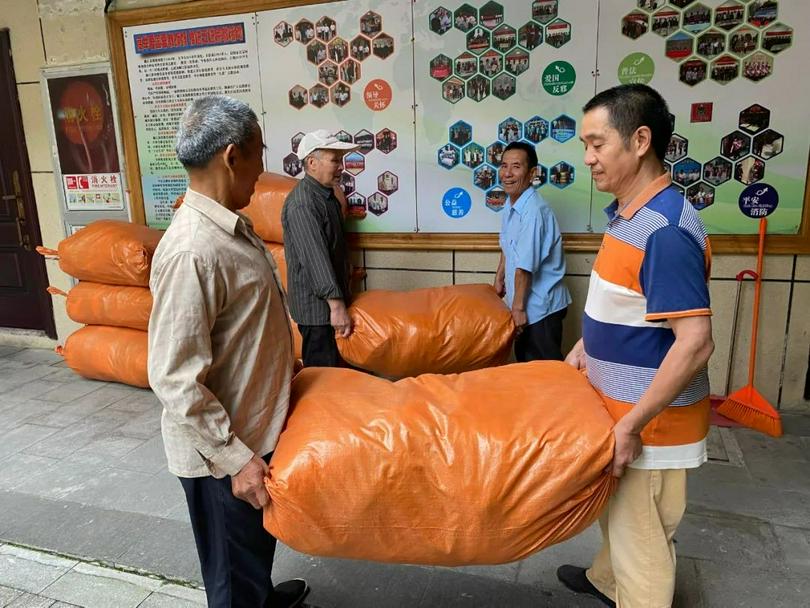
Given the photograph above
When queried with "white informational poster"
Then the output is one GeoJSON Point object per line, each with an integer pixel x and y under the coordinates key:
{"type": "Point", "coordinates": [491, 73]}
{"type": "Point", "coordinates": [169, 65]}
{"type": "Point", "coordinates": [345, 67]}
{"type": "Point", "coordinates": [93, 192]}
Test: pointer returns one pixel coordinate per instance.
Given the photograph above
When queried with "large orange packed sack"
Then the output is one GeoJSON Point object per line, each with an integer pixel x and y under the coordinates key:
{"type": "Point", "coordinates": [484, 467]}
{"type": "Point", "coordinates": [440, 330]}
{"type": "Point", "coordinates": [109, 251]}
{"type": "Point", "coordinates": [95, 304]}
{"type": "Point", "coordinates": [265, 205]}
{"type": "Point", "coordinates": [113, 354]}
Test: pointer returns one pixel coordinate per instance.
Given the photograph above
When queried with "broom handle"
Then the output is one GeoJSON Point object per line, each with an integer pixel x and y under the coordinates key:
{"type": "Point", "coordinates": [757, 288]}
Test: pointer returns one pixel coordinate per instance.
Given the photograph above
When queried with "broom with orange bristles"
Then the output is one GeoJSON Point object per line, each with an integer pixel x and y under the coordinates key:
{"type": "Point", "coordinates": [747, 406]}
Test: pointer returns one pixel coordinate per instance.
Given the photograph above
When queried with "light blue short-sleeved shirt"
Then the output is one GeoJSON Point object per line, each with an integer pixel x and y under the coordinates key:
{"type": "Point", "coordinates": [530, 239]}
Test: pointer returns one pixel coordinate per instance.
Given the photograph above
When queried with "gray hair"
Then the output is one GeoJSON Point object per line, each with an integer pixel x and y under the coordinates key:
{"type": "Point", "coordinates": [209, 124]}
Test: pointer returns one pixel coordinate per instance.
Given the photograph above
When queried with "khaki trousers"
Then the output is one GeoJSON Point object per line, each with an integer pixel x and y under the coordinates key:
{"type": "Point", "coordinates": [636, 564]}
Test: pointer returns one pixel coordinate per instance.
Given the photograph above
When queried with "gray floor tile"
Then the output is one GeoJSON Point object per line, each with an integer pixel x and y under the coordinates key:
{"type": "Point", "coordinates": [746, 587]}
{"type": "Point", "coordinates": [29, 600]}
{"type": "Point", "coordinates": [42, 356]}
{"type": "Point", "coordinates": [66, 479]}
{"type": "Point", "coordinates": [31, 390]}
{"type": "Point", "coordinates": [94, 587]}
{"type": "Point", "coordinates": [138, 402]}
{"type": "Point", "coordinates": [17, 468]}
{"type": "Point", "coordinates": [7, 351]}
{"type": "Point", "coordinates": [159, 600]}
{"type": "Point", "coordinates": [7, 594]}
{"type": "Point", "coordinates": [795, 545]}
{"type": "Point", "coordinates": [105, 451]}
{"type": "Point", "coordinates": [148, 457]}
{"type": "Point", "coordinates": [71, 391]}
{"type": "Point", "coordinates": [30, 571]}
{"type": "Point", "coordinates": [164, 546]}
{"type": "Point", "coordinates": [21, 437]}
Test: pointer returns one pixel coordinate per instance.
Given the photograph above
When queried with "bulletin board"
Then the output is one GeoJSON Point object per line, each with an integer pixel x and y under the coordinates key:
{"type": "Point", "coordinates": [433, 90]}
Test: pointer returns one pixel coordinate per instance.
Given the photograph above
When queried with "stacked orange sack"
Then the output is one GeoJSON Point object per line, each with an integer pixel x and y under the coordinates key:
{"type": "Point", "coordinates": [112, 261]}
{"type": "Point", "coordinates": [483, 467]}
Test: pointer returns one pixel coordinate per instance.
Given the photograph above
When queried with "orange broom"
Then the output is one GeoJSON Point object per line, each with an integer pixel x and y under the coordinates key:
{"type": "Point", "coordinates": [747, 406]}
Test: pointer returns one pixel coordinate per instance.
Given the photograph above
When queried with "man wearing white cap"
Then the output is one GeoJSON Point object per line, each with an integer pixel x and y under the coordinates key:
{"type": "Point", "coordinates": [316, 250]}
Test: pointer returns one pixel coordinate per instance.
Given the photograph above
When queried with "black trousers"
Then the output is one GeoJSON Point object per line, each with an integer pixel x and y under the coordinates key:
{"type": "Point", "coordinates": [541, 340]}
{"type": "Point", "coordinates": [235, 551]}
{"type": "Point", "coordinates": [319, 347]}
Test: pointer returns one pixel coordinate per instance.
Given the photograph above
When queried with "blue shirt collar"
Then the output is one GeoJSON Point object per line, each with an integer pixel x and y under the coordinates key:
{"type": "Point", "coordinates": [522, 201]}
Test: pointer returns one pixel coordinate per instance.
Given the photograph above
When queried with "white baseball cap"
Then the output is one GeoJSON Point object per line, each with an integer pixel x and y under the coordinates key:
{"type": "Point", "coordinates": [322, 140]}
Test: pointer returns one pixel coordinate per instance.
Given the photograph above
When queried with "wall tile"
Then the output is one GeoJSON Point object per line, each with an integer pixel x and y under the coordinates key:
{"type": "Point", "coordinates": [403, 280]}
{"type": "Point", "coordinates": [467, 278]}
{"type": "Point", "coordinates": [22, 19]}
{"type": "Point", "coordinates": [411, 260]}
{"type": "Point", "coordinates": [35, 125]}
{"type": "Point", "coordinates": [774, 267]}
{"type": "Point", "coordinates": [73, 31]}
{"type": "Point", "coordinates": [477, 261]}
{"type": "Point", "coordinates": [798, 347]}
{"type": "Point", "coordinates": [803, 267]}
{"type": "Point", "coordinates": [579, 263]}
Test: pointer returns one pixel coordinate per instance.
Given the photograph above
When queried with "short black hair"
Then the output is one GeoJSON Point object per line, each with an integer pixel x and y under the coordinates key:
{"type": "Point", "coordinates": [631, 106]}
{"type": "Point", "coordinates": [531, 153]}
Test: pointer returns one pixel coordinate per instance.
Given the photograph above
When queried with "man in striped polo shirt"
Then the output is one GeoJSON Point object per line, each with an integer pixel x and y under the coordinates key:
{"type": "Point", "coordinates": [646, 343]}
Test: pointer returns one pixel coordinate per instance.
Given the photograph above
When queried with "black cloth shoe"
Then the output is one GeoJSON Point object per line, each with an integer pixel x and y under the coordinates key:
{"type": "Point", "coordinates": [290, 594]}
{"type": "Point", "coordinates": [574, 578]}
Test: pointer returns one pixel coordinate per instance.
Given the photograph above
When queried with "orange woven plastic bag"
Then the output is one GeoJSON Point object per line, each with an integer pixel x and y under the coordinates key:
{"type": "Point", "coordinates": [484, 467]}
{"type": "Point", "coordinates": [109, 251]}
{"type": "Point", "coordinates": [115, 305]}
{"type": "Point", "coordinates": [113, 354]}
{"type": "Point", "coordinates": [439, 330]}
{"type": "Point", "coordinates": [265, 205]}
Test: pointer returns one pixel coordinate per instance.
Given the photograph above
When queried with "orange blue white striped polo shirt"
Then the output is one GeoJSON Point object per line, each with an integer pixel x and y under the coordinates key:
{"type": "Point", "coordinates": [653, 265]}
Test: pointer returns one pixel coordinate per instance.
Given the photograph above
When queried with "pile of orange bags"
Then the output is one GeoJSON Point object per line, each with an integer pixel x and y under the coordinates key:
{"type": "Point", "coordinates": [483, 467]}
{"type": "Point", "coordinates": [112, 260]}
{"type": "Point", "coordinates": [441, 330]}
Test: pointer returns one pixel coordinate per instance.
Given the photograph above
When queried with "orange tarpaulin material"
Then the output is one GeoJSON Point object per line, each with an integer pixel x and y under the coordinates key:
{"type": "Point", "coordinates": [112, 354]}
{"type": "Point", "coordinates": [111, 252]}
{"type": "Point", "coordinates": [95, 304]}
{"type": "Point", "coordinates": [265, 205]}
{"type": "Point", "coordinates": [438, 330]}
{"type": "Point", "coordinates": [484, 467]}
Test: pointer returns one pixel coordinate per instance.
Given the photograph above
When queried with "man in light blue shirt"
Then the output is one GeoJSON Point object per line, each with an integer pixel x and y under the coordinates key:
{"type": "Point", "coordinates": [532, 265]}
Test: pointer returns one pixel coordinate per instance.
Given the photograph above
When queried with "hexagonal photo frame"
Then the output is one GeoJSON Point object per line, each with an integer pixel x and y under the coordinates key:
{"type": "Point", "coordinates": [517, 61]}
{"type": "Point", "coordinates": [382, 46]}
{"type": "Point", "coordinates": [357, 206]}
{"type": "Point", "coordinates": [717, 171]}
{"type": "Point", "coordinates": [354, 163]}
{"type": "Point", "coordinates": [679, 46]}
{"type": "Point", "coordinates": [510, 130]}
{"type": "Point", "coordinates": [453, 89]}
{"type": "Point", "coordinates": [563, 128]}
{"type": "Point", "coordinates": [686, 172]}
{"type": "Point", "coordinates": [319, 96]}
{"type": "Point", "coordinates": [365, 141]}
{"type": "Point", "coordinates": [478, 88]}
{"type": "Point", "coordinates": [540, 177]}
{"type": "Point", "coordinates": [535, 129]}
{"type": "Point", "coordinates": [344, 136]}
{"type": "Point", "coordinates": [491, 63]}
{"type": "Point", "coordinates": [491, 15]}
{"type": "Point", "coordinates": [370, 24]}
{"type": "Point", "coordinates": [562, 175]}
{"type": "Point", "coordinates": [298, 97]}
{"type": "Point", "coordinates": [544, 11]}
{"type": "Point", "coordinates": [304, 31]}
{"type": "Point", "coordinates": [472, 155]}
{"type": "Point", "coordinates": [360, 48]}
{"type": "Point", "coordinates": [478, 40]}
{"type": "Point", "coordinates": [328, 73]}
{"type": "Point", "coordinates": [635, 24]}
{"type": "Point", "coordinates": [283, 34]}
{"type": "Point", "coordinates": [558, 33]}
{"type": "Point", "coordinates": [768, 144]}
{"type": "Point", "coordinates": [696, 18]}
{"type": "Point", "coordinates": [504, 38]}
{"type": "Point", "coordinates": [295, 140]}
{"type": "Point", "coordinates": [681, 3]}
{"type": "Point", "coordinates": [743, 40]}
{"type": "Point", "coordinates": [448, 156]}
{"type": "Point", "coordinates": [441, 66]}
{"type": "Point", "coordinates": [495, 153]}
{"type": "Point", "coordinates": [484, 177]}
{"type": "Point", "coordinates": [465, 66]}
{"type": "Point", "coordinates": [341, 94]}
{"type": "Point", "coordinates": [292, 165]}
{"type": "Point", "coordinates": [749, 170]}
{"type": "Point", "coordinates": [440, 21]}
{"type": "Point", "coordinates": [729, 15]}
{"type": "Point", "coordinates": [700, 195]}
{"type": "Point", "coordinates": [677, 148]}
{"type": "Point", "coordinates": [495, 199]}
{"type": "Point", "coordinates": [725, 69]}
{"type": "Point", "coordinates": [735, 145]}
{"type": "Point", "coordinates": [316, 52]}
{"type": "Point", "coordinates": [386, 141]}
{"type": "Point", "coordinates": [387, 183]}
{"type": "Point", "coordinates": [325, 29]}
{"type": "Point", "coordinates": [347, 183]}
{"type": "Point", "coordinates": [460, 133]}
{"type": "Point", "coordinates": [762, 12]}
{"type": "Point", "coordinates": [530, 36]}
{"type": "Point", "coordinates": [350, 71]}
{"type": "Point", "coordinates": [777, 38]}
{"type": "Point", "coordinates": [754, 118]}
{"type": "Point", "coordinates": [377, 203]}
{"type": "Point", "coordinates": [504, 86]}
{"type": "Point", "coordinates": [692, 71]}
{"type": "Point", "coordinates": [465, 17]}
{"type": "Point", "coordinates": [757, 66]}
{"type": "Point", "coordinates": [649, 5]}
{"type": "Point", "coordinates": [665, 22]}
{"type": "Point", "coordinates": [711, 44]}
{"type": "Point", "coordinates": [338, 49]}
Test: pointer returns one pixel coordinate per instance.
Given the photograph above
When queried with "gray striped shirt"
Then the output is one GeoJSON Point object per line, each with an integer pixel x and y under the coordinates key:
{"type": "Point", "coordinates": [316, 251]}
